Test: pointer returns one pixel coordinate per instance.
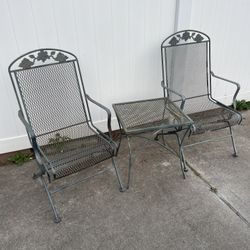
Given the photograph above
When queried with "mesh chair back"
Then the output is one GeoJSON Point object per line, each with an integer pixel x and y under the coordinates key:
{"type": "Point", "coordinates": [185, 63]}
{"type": "Point", "coordinates": [49, 88]}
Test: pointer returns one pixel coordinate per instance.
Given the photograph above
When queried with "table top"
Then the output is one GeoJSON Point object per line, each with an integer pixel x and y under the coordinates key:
{"type": "Point", "coordinates": [149, 115]}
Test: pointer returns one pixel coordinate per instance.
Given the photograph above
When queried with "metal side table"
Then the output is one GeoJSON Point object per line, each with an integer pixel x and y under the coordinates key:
{"type": "Point", "coordinates": [159, 116]}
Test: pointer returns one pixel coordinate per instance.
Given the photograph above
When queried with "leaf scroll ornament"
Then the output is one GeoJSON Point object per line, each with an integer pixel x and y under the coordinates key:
{"type": "Point", "coordinates": [43, 56]}
{"type": "Point", "coordinates": [61, 57]}
{"type": "Point", "coordinates": [186, 35]}
{"type": "Point", "coordinates": [173, 41]}
{"type": "Point", "coordinates": [26, 63]}
{"type": "Point", "coordinates": [198, 38]}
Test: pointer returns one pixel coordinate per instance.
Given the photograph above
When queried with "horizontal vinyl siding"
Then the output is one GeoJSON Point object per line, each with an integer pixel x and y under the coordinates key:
{"type": "Point", "coordinates": [227, 23]}
{"type": "Point", "coordinates": [117, 43]}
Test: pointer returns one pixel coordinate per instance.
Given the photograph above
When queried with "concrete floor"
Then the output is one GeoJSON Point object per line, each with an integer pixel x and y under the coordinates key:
{"type": "Point", "coordinates": [159, 211]}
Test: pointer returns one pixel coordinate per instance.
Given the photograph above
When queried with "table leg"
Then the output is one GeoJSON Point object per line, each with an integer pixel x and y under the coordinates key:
{"type": "Point", "coordinates": [181, 151]}
{"type": "Point", "coordinates": [130, 161]}
{"type": "Point", "coordinates": [181, 156]}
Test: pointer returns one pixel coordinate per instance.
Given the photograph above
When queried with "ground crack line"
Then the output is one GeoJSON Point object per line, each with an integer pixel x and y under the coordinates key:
{"type": "Point", "coordinates": [214, 190]}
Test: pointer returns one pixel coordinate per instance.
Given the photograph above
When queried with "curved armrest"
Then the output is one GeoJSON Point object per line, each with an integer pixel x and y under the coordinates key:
{"type": "Point", "coordinates": [235, 83]}
{"type": "Point", "coordinates": [108, 114]}
{"type": "Point", "coordinates": [183, 98]}
{"type": "Point", "coordinates": [29, 130]}
{"type": "Point", "coordinates": [33, 142]}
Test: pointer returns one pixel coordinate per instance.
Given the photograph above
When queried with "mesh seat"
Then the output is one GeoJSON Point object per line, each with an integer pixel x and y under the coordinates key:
{"type": "Point", "coordinates": [208, 115]}
{"type": "Point", "coordinates": [73, 155]}
{"type": "Point", "coordinates": [214, 119]}
{"type": "Point", "coordinates": [72, 149]}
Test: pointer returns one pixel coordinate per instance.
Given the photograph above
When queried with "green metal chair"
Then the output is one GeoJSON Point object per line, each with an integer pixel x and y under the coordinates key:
{"type": "Point", "coordinates": [186, 69]}
{"type": "Point", "coordinates": [54, 108]}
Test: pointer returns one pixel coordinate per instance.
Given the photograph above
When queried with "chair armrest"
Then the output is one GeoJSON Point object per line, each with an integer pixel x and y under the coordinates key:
{"type": "Point", "coordinates": [183, 98]}
{"type": "Point", "coordinates": [33, 141]}
{"type": "Point", "coordinates": [108, 114]}
{"type": "Point", "coordinates": [29, 130]}
{"type": "Point", "coordinates": [232, 82]}
{"type": "Point", "coordinates": [32, 137]}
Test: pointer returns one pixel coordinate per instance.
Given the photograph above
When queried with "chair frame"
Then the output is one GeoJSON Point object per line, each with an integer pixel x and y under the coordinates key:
{"type": "Point", "coordinates": [198, 37]}
{"type": "Point", "coordinates": [22, 113]}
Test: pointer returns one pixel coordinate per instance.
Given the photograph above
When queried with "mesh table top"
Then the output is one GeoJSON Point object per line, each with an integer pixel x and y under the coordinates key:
{"type": "Point", "coordinates": [149, 115]}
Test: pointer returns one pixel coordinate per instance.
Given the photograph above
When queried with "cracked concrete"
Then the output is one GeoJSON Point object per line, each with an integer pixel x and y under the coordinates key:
{"type": "Point", "coordinates": [228, 174]}
{"type": "Point", "coordinates": [159, 211]}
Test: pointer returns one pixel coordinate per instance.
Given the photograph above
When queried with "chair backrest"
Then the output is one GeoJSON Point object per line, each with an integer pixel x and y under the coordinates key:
{"type": "Point", "coordinates": [186, 63]}
{"type": "Point", "coordinates": [49, 89]}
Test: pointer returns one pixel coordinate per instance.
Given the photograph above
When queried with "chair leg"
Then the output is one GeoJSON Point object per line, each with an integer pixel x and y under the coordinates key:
{"type": "Point", "coordinates": [130, 163]}
{"type": "Point", "coordinates": [163, 138]}
{"type": "Point", "coordinates": [181, 156]}
{"type": "Point", "coordinates": [37, 175]}
{"type": "Point", "coordinates": [121, 188]}
{"type": "Point", "coordinates": [235, 154]}
{"type": "Point", "coordinates": [57, 219]}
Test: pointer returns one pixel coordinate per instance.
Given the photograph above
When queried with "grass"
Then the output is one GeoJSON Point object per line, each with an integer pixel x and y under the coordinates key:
{"type": "Point", "coordinates": [19, 158]}
{"type": "Point", "coordinates": [242, 105]}
{"type": "Point", "coordinates": [59, 141]}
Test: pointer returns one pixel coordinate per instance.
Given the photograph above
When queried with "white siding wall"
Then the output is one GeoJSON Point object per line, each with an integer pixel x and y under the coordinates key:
{"type": "Point", "coordinates": [118, 46]}
{"type": "Point", "coordinates": [227, 23]}
{"type": "Point", "coordinates": [117, 43]}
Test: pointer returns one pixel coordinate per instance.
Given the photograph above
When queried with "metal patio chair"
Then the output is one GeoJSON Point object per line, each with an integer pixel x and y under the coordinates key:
{"type": "Point", "coordinates": [55, 111]}
{"type": "Point", "coordinates": [186, 69]}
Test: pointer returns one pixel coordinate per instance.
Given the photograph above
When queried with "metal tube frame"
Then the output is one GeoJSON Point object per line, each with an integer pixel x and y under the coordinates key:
{"type": "Point", "coordinates": [24, 117]}
{"type": "Point", "coordinates": [209, 73]}
{"type": "Point", "coordinates": [49, 192]}
{"type": "Point", "coordinates": [179, 154]}
{"type": "Point", "coordinates": [231, 135]}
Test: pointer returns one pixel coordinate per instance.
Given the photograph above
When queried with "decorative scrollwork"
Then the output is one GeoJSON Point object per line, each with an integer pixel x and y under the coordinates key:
{"type": "Point", "coordinates": [185, 36]}
{"type": "Point", "coordinates": [43, 56]}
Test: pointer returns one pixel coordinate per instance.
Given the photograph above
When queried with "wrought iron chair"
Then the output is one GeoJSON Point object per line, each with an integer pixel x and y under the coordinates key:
{"type": "Point", "coordinates": [186, 69]}
{"type": "Point", "coordinates": [55, 111]}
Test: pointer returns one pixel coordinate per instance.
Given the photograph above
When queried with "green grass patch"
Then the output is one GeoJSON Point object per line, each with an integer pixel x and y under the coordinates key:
{"type": "Point", "coordinates": [19, 158]}
{"type": "Point", "coordinates": [242, 105]}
